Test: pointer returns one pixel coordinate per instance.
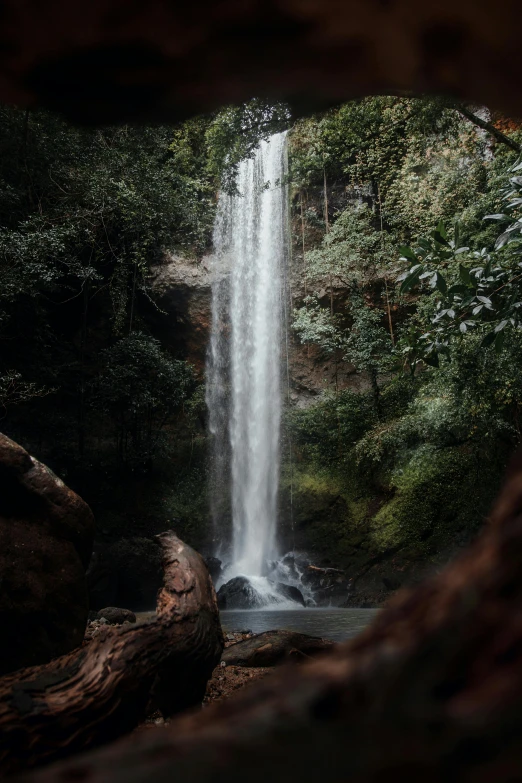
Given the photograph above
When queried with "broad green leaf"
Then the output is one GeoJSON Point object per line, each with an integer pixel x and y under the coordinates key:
{"type": "Point", "coordinates": [441, 283]}
{"type": "Point", "coordinates": [465, 275]}
{"type": "Point", "coordinates": [456, 233]}
{"type": "Point", "coordinates": [411, 279]}
{"type": "Point", "coordinates": [432, 359]}
{"type": "Point", "coordinates": [499, 341]}
{"type": "Point", "coordinates": [488, 340]}
{"type": "Point", "coordinates": [441, 229]}
{"type": "Point", "coordinates": [407, 253]}
{"type": "Point", "coordinates": [457, 289]}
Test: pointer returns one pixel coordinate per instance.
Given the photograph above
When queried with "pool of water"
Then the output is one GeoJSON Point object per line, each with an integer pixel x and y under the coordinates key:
{"type": "Point", "coordinates": [335, 624]}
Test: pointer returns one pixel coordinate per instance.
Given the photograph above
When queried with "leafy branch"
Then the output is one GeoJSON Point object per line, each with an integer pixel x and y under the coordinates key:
{"type": "Point", "coordinates": [479, 290]}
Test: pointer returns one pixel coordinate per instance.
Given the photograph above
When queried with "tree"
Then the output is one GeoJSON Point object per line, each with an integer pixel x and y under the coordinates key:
{"type": "Point", "coordinates": [477, 290]}
{"type": "Point", "coordinates": [140, 388]}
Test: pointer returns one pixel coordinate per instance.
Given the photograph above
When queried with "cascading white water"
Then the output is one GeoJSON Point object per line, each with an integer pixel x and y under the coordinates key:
{"type": "Point", "coordinates": [244, 363]}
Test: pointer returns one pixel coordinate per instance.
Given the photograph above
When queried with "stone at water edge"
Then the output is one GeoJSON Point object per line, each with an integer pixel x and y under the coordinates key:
{"type": "Point", "coordinates": [46, 535]}
{"type": "Point", "coordinates": [290, 592]}
{"type": "Point", "coordinates": [116, 616]}
{"type": "Point", "coordinates": [273, 647]}
{"type": "Point", "coordinates": [238, 593]}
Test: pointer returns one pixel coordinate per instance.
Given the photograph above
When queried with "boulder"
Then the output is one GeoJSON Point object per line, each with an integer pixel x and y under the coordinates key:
{"type": "Point", "coordinates": [273, 647]}
{"type": "Point", "coordinates": [115, 616]}
{"type": "Point", "coordinates": [238, 593]}
{"type": "Point", "coordinates": [290, 592]}
{"type": "Point", "coordinates": [46, 534]}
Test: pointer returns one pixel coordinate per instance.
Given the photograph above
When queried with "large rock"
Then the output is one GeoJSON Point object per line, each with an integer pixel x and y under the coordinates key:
{"type": "Point", "coordinates": [273, 647]}
{"type": "Point", "coordinates": [46, 534]}
{"type": "Point", "coordinates": [238, 593]}
{"type": "Point", "coordinates": [290, 592]}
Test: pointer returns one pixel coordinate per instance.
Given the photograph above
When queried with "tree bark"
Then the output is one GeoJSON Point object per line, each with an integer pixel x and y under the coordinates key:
{"type": "Point", "coordinates": [431, 692]}
{"type": "Point", "coordinates": [101, 691]}
{"type": "Point", "coordinates": [488, 127]}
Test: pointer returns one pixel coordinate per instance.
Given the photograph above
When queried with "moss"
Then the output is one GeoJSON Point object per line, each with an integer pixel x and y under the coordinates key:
{"type": "Point", "coordinates": [436, 500]}
{"type": "Point", "coordinates": [439, 497]}
{"type": "Point", "coordinates": [330, 518]}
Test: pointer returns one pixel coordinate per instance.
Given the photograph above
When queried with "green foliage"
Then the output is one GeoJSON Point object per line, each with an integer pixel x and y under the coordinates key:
{"type": "Point", "coordinates": [14, 390]}
{"type": "Point", "coordinates": [315, 324]}
{"type": "Point", "coordinates": [438, 497]}
{"type": "Point", "coordinates": [327, 432]}
{"type": "Point", "coordinates": [236, 131]}
{"type": "Point", "coordinates": [479, 291]}
{"type": "Point", "coordinates": [354, 251]}
{"type": "Point", "coordinates": [140, 388]}
{"type": "Point", "coordinates": [368, 346]}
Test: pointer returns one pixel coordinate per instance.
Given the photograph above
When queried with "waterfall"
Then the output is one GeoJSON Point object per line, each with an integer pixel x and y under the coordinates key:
{"type": "Point", "coordinates": [244, 360]}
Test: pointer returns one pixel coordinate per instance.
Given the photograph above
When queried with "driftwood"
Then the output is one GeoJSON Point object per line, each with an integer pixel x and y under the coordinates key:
{"type": "Point", "coordinates": [432, 691]}
{"type": "Point", "coordinates": [273, 647]}
{"type": "Point", "coordinates": [101, 691]}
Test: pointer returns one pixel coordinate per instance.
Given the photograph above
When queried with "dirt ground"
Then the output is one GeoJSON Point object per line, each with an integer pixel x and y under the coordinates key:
{"type": "Point", "coordinates": [225, 681]}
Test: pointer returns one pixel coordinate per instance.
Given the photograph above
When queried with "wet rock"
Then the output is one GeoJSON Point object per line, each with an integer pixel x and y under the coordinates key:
{"type": "Point", "coordinates": [238, 593]}
{"type": "Point", "coordinates": [46, 534]}
{"type": "Point", "coordinates": [330, 586]}
{"type": "Point", "coordinates": [290, 592]}
{"type": "Point", "coordinates": [116, 616]}
{"type": "Point", "coordinates": [215, 568]}
{"type": "Point", "coordinates": [274, 647]}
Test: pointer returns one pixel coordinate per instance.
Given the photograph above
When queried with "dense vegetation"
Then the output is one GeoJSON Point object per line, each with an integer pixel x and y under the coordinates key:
{"type": "Point", "coordinates": [85, 381]}
{"type": "Point", "coordinates": [396, 273]}
{"type": "Point", "coordinates": [430, 321]}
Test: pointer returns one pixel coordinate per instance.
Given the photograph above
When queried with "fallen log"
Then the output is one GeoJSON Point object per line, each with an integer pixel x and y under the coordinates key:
{"type": "Point", "coordinates": [432, 691]}
{"type": "Point", "coordinates": [273, 647]}
{"type": "Point", "coordinates": [102, 690]}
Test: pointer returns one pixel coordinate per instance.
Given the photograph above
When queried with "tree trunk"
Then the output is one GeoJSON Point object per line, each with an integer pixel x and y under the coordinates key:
{"type": "Point", "coordinates": [101, 691]}
{"type": "Point", "coordinates": [488, 127]}
{"type": "Point", "coordinates": [431, 692]}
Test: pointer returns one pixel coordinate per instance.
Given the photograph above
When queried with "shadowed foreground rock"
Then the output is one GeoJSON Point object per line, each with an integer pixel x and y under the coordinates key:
{"type": "Point", "coordinates": [101, 691]}
{"type": "Point", "coordinates": [273, 647]}
{"type": "Point", "coordinates": [107, 60]}
{"type": "Point", "coordinates": [432, 691]}
{"type": "Point", "coordinates": [46, 534]}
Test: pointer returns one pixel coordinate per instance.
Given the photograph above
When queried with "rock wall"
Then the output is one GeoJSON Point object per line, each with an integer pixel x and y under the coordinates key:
{"type": "Point", "coordinates": [182, 287]}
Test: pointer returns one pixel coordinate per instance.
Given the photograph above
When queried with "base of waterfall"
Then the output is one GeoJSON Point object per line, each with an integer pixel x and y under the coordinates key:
{"type": "Point", "coordinates": [291, 582]}
{"type": "Point", "coordinates": [258, 592]}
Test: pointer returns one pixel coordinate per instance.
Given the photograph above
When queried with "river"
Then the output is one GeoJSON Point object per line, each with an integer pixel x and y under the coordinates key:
{"type": "Point", "coordinates": [335, 624]}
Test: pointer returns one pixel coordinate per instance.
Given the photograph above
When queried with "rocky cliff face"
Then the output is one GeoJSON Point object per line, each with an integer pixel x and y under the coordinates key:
{"type": "Point", "coordinates": [182, 288]}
